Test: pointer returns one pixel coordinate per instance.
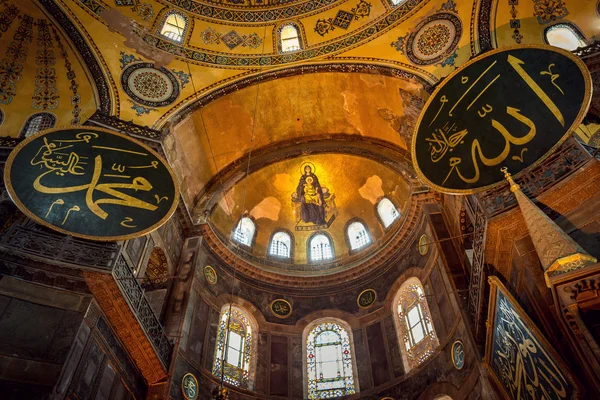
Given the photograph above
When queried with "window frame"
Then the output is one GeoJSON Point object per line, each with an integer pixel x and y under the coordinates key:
{"type": "Point", "coordinates": [380, 219]}
{"type": "Point", "coordinates": [27, 123]}
{"type": "Point", "coordinates": [276, 257]}
{"type": "Point", "coordinates": [352, 358]}
{"type": "Point", "coordinates": [370, 242]}
{"type": "Point", "coordinates": [414, 354]}
{"type": "Point", "coordinates": [254, 234]}
{"type": "Point", "coordinates": [300, 32]}
{"type": "Point", "coordinates": [309, 248]}
{"type": "Point", "coordinates": [163, 22]}
{"type": "Point", "coordinates": [250, 342]}
{"type": "Point", "coordinates": [567, 25]}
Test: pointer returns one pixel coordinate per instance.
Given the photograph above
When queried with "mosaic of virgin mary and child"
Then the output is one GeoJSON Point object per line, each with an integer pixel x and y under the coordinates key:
{"type": "Point", "coordinates": [315, 205]}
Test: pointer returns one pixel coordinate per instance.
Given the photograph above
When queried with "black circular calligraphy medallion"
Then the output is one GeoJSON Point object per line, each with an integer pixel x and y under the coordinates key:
{"type": "Point", "coordinates": [510, 107]}
{"type": "Point", "coordinates": [189, 387]}
{"type": "Point", "coordinates": [281, 308]}
{"type": "Point", "coordinates": [458, 354]}
{"type": "Point", "coordinates": [366, 298]}
{"type": "Point", "coordinates": [91, 183]}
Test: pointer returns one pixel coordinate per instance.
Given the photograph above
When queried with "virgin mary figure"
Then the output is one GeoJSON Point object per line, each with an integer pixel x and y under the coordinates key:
{"type": "Point", "coordinates": [310, 196]}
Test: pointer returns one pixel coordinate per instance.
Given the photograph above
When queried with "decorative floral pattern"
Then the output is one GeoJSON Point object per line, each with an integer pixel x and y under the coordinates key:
{"type": "Point", "coordinates": [73, 86]}
{"type": "Point", "coordinates": [547, 11]}
{"type": "Point", "coordinates": [433, 41]}
{"type": "Point", "coordinates": [231, 39]}
{"type": "Point", "coordinates": [11, 66]}
{"type": "Point", "coordinates": [45, 96]}
{"type": "Point", "coordinates": [515, 22]}
{"type": "Point", "coordinates": [127, 59]}
{"type": "Point", "coordinates": [144, 10]}
{"type": "Point", "coordinates": [320, 387]}
{"type": "Point", "coordinates": [7, 16]}
{"type": "Point", "coordinates": [343, 18]}
{"type": "Point", "coordinates": [140, 110]}
{"type": "Point", "coordinates": [150, 86]}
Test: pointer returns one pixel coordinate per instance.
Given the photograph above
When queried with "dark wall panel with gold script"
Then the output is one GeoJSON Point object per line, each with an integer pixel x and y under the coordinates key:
{"type": "Point", "coordinates": [92, 183]}
{"type": "Point", "coordinates": [508, 108]}
{"type": "Point", "coordinates": [521, 361]}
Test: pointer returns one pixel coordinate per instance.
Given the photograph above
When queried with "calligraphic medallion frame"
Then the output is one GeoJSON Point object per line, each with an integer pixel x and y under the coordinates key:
{"type": "Point", "coordinates": [423, 245]}
{"type": "Point", "coordinates": [281, 316]}
{"type": "Point", "coordinates": [208, 270]}
{"type": "Point", "coordinates": [495, 286]}
{"type": "Point", "coordinates": [458, 341]}
{"type": "Point", "coordinates": [363, 292]}
{"type": "Point", "coordinates": [585, 105]}
{"type": "Point", "coordinates": [185, 396]}
{"type": "Point", "coordinates": [7, 181]}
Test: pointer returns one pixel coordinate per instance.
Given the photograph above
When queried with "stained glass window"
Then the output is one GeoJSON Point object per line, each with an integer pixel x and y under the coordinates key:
{"type": "Point", "coordinates": [290, 39]}
{"type": "Point", "coordinates": [173, 27]}
{"type": "Point", "coordinates": [233, 351]}
{"type": "Point", "coordinates": [387, 212]}
{"type": "Point", "coordinates": [358, 235]}
{"type": "Point", "coordinates": [38, 122]}
{"type": "Point", "coordinates": [244, 231]}
{"type": "Point", "coordinates": [320, 248]}
{"type": "Point", "coordinates": [281, 245]}
{"type": "Point", "coordinates": [417, 329]}
{"type": "Point", "coordinates": [564, 36]}
{"type": "Point", "coordinates": [329, 362]}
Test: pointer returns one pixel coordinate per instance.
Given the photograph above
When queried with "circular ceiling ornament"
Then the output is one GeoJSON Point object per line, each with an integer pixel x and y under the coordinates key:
{"type": "Point", "coordinates": [434, 39]}
{"type": "Point", "coordinates": [150, 86]}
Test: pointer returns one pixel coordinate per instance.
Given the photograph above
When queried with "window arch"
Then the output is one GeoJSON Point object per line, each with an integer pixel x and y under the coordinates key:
{"type": "Point", "coordinates": [174, 26]}
{"type": "Point", "coordinates": [235, 348]}
{"type": "Point", "coordinates": [320, 247]}
{"type": "Point", "coordinates": [357, 235]}
{"type": "Point", "coordinates": [244, 231]}
{"type": "Point", "coordinates": [564, 35]}
{"type": "Point", "coordinates": [38, 122]}
{"type": "Point", "coordinates": [289, 37]}
{"type": "Point", "coordinates": [387, 212]}
{"type": "Point", "coordinates": [397, 2]}
{"type": "Point", "coordinates": [413, 319]}
{"type": "Point", "coordinates": [281, 245]}
{"type": "Point", "coordinates": [329, 366]}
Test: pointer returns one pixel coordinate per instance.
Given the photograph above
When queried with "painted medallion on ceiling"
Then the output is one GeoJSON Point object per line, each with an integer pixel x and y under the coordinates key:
{"type": "Point", "coordinates": [314, 204]}
{"type": "Point", "coordinates": [434, 40]}
{"type": "Point", "coordinates": [150, 86]}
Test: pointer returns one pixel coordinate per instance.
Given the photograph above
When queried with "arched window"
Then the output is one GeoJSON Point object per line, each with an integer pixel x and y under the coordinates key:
{"type": "Point", "coordinates": [397, 2]}
{"type": "Point", "coordinates": [565, 36]}
{"type": "Point", "coordinates": [244, 231]}
{"type": "Point", "coordinates": [320, 248]}
{"type": "Point", "coordinates": [416, 326]}
{"type": "Point", "coordinates": [234, 348]}
{"type": "Point", "coordinates": [38, 122]}
{"type": "Point", "coordinates": [329, 367]}
{"type": "Point", "coordinates": [281, 245]}
{"type": "Point", "coordinates": [387, 212]}
{"type": "Point", "coordinates": [289, 38]}
{"type": "Point", "coordinates": [358, 236]}
{"type": "Point", "coordinates": [174, 26]}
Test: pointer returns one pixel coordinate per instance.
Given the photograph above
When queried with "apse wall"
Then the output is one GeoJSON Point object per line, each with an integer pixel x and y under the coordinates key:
{"type": "Point", "coordinates": [279, 370]}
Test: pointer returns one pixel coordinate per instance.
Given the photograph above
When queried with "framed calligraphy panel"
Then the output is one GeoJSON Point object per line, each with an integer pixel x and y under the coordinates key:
{"type": "Point", "coordinates": [510, 107]}
{"type": "Point", "coordinates": [366, 298]}
{"type": "Point", "coordinates": [281, 308]}
{"type": "Point", "coordinates": [91, 183]}
{"type": "Point", "coordinates": [518, 357]}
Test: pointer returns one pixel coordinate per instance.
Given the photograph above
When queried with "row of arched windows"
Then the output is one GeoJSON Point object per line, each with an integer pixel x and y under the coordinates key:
{"type": "Point", "coordinates": [320, 245]}
{"type": "Point", "coordinates": [37, 122]}
{"type": "Point", "coordinates": [328, 351]}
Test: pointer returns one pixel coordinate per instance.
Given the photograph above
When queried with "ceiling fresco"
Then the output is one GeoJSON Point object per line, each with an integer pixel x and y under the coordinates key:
{"type": "Point", "coordinates": [39, 72]}
{"type": "Point", "coordinates": [273, 196]}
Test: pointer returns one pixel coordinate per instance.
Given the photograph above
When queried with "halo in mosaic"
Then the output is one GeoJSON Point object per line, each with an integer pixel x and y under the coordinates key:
{"type": "Point", "coordinates": [434, 39]}
{"type": "Point", "coordinates": [150, 86]}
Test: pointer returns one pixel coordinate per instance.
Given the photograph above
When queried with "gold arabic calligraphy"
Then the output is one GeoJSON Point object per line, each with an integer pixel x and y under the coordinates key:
{"type": "Point", "coordinates": [58, 157]}
{"type": "Point", "coordinates": [446, 139]}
